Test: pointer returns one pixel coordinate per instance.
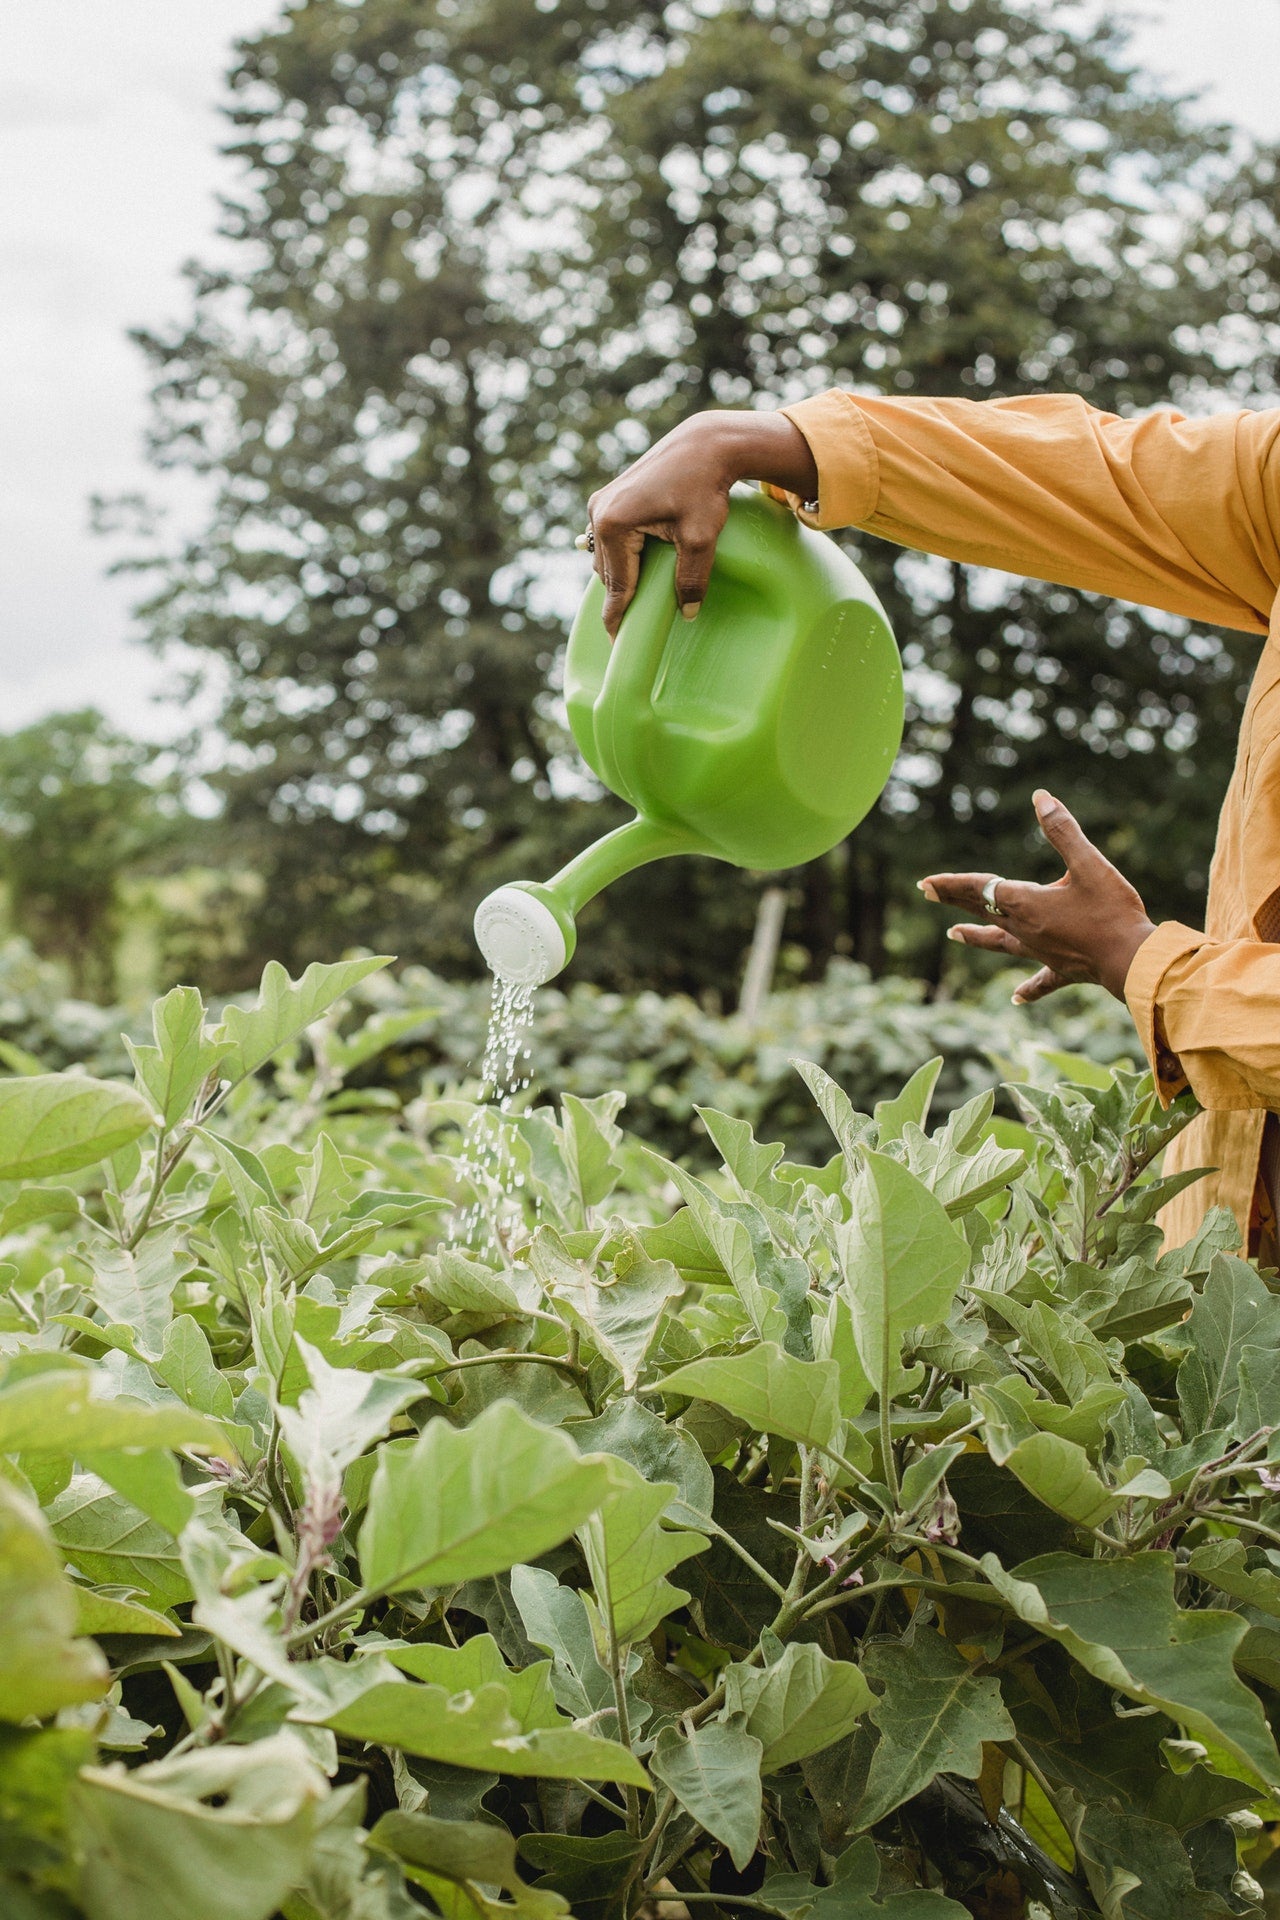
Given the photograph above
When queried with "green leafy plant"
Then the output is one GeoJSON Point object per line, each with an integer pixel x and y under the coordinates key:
{"type": "Point", "coordinates": [893, 1535]}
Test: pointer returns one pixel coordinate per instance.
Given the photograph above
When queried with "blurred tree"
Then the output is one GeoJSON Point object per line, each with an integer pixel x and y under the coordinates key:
{"type": "Point", "coordinates": [486, 252]}
{"type": "Point", "coordinates": [80, 808]}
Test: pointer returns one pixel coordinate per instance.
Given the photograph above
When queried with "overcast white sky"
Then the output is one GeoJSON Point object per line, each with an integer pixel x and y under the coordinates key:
{"type": "Point", "coordinates": [108, 137]}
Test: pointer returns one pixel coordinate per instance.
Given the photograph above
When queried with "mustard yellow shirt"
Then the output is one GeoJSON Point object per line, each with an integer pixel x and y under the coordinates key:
{"type": "Point", "coordinates": [1173, 513]}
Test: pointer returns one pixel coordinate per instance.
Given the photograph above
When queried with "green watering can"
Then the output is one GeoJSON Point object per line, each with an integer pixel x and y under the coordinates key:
{"type": "Point", "coordinates": [761, 732]}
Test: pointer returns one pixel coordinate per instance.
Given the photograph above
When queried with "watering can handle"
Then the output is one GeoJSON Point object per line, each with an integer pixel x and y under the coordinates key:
{"type": "Point", "coordinates": [626, 696]}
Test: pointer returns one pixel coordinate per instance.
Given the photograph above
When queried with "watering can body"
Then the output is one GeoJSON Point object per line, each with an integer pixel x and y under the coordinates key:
{"type": "Point", "coordinates": [760, 732]}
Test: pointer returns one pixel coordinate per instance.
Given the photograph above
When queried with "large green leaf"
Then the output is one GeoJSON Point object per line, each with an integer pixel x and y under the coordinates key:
{"type": "Point", "coordinates": [629, 1553]}
{"type": "Point", "coordinates": [724, 1228]}
{"type": "Point", "coordinates": [462, 1504]}
{"type": "Point", "coordinates": [934, 1715]}
{"type": "Point", "coordinates": [59, 1412]}
{"type": "Point", "coordinates": [1056, 1470]}
{"type": "Point", "coordinates": [1234, 1310]}
{"type": "Point", "coordinates": [555, 1619]}
{"type": "Point", "coordinates": [801, 1704]}
{"type": "Point", "coordinates": [135, 1289]}
{"type": "Point", "coordinates": [479, 1729]}
{"type": "Point", "coordinates": [714, 1772]}
{"type": "Point", "coordinates": [150, 1480]}
{"type": "Point", "coordinates": [770, 1389]}
{"type": "Point", "coordinates": [56, 1122]}
{"type": "Point", "coordinates": [589, 1133]}
{"type": "Point", "coordinates": [591, 1871]}
{"type": "Point", "coordinates": [852, 1894]}
{"type": "Point", "coordinates": [340, 1413]}
{"type": "Point", "coordinates": [910, 1108]}
{"type": "Point", "coordinates": [477, 1663]}
{"type": "Point", "coordinates": [1137, 1869]}
{"type": "Point", "coordinates": [1118, 1618]}
{"type": "Point", "coordinates": [284, 1009]}
{"type": "Point", "coordinates": [752, 1164]}
{"type": "Point", "coordinates": [112, 1542]}
{"type": "Point", "coordinates": [466, 1856]}
{"type": "Point", "coordinates": [901, 1259]}
{"type": "Point", "coordinates": [42, 1664]}
{"type": "Point", "coordinates": [656, 1449]}
{"type": "Point", "coordinates": [619, 1313]}
{"type": "Point", "coordinates": [221, 1834]}
{"type": "Point", "coordinates": [1224, 1564]}
{"type": "Point", "coordinates": [38, 1766]}
{"type": "Point", "coordinates": [852, 1130]}
{"type": "Point", "coordinates": [187, 1367]}
{"type": "Point", "coordinates": [173, 1070]}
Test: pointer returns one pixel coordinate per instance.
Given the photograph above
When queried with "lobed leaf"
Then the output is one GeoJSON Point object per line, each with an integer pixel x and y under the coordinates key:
{"type": "Point", "coordinates": [464, 1503]}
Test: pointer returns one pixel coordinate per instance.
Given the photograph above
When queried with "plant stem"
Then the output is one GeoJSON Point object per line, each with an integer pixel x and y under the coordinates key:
{"type": "Point", "coordinates": [354, 1603]}
{"type": "Point", "coordinates": [562, 1361]}
{"type": "Point", "coordinates": [886, 1448]}
{"type": "Point", "coordinates": [661, 1815]}
{"type": "Point", "coordinates": [1028, 1765]}
{"type": "Point", "coordinates": [601, 1799]}
{"type": "Point", "coordinates": [748, 1560]}
{"type": "Point", "coordinates": [618, 1678]}
{"type": "Point", "coordinates": [157, 1188]}
{"type": "Point", "coordinates": [747, 1902]}
{"type": "Point", "coordinates": [1240, 1520]}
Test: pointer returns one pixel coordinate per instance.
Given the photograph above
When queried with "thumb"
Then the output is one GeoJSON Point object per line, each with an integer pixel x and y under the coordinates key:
{"type": "Point", "coordinates": [1063, 832]}
{"type": "Point", "coordinates": [1038, 987]}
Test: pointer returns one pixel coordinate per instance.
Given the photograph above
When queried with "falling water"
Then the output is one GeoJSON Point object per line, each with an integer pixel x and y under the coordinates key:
{"type": "Point", "coordinates": [487, 1160]}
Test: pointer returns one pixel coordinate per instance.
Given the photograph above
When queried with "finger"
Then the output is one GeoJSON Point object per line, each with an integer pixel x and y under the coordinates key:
{"type": "Point", "coordinates": [617, 561]}
{"type": "Point", "coordinates": [992, 938]}
{"type": "Point", "coordinates": [1063, 832]}
{"type": "Point", "coordinates": [694, 555]}
{"type": "Point", "coordinates": [965, 890]}
{"type": "Point", "coordinates": [1038, 987]}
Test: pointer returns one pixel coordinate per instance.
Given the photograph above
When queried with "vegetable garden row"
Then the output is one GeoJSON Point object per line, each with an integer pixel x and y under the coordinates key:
{"type": "Point", "coordinates": [892, 1535]}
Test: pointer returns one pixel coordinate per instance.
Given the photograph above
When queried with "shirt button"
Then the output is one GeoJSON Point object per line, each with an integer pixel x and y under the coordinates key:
{"type": "Point", "coordinates": [1168, 1065]}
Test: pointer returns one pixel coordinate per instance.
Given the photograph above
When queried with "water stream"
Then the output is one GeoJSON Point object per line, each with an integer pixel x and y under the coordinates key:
{"type": "Point", "coordinates": [487, 1160]}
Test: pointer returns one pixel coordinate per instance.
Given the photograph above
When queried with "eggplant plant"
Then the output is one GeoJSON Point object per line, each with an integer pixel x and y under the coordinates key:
{"type": "Point", "coordinates": [897, 1536]}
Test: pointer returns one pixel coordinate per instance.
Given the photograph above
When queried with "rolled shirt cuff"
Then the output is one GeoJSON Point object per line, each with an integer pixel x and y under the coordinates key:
{"type": "Point", "coordinates": [1170, 942]}
{"type": "Point", "coordinates": [844, 453]}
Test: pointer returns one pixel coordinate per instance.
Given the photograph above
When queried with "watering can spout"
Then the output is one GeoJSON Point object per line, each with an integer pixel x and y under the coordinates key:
{"type": "Point", "coordinates": [526, 931]}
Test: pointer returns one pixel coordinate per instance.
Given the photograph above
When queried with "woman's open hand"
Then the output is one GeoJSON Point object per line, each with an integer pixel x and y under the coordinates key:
{"type": "Point", "coordinates": [1087, 926]}
{"type": "Point", "coordinates": [679, 491]}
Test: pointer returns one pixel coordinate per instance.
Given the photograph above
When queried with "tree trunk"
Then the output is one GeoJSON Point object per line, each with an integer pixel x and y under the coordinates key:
{"type": "Point", "coordinates": [762, 959]}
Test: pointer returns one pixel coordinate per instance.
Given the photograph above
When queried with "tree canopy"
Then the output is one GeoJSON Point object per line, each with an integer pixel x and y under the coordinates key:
{"type": "Point", "coordinates": [484, 253]}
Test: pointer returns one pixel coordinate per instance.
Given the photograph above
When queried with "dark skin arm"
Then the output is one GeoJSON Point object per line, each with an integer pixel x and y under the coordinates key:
{"type": "Point", "coordinates": [679, 491]}
{"type": "Point", "coordinates": [1085, 927]}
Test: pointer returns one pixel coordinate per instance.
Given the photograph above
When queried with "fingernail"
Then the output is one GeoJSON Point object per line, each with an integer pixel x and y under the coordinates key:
{"type": "Point", "coordinates": [691, 609]}
{"type": "Point", "coordinates": [954, 933]}
{"type": "Point", "coordinates": [930, 893]}
{"type": "Point", "coordinates": [1018, 999]}
{"type": "Point", "coordinates": [1043, 802]}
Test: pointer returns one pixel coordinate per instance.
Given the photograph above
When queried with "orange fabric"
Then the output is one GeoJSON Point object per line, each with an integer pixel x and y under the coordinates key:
{"type": "Point", "coordinates": [1173, 513]}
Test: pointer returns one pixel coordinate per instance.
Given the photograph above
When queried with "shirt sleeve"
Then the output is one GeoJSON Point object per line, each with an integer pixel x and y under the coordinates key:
{"type": "Point", "coordinates": [1171, 512]}
{"type": "Point", "coordinates": [1208, 1012]}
